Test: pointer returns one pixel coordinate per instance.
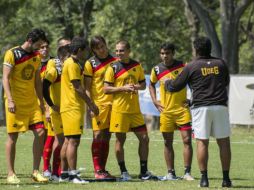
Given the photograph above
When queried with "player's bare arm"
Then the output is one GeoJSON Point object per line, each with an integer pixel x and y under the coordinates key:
{"type": "Point", "coordinates": [88, 85]}
{"type": "Point", "coordinates": [110, 89]}
{"type": "Point", "coordinates": [82, 93]}
{"type": "Point", "coordinates": [7, 88]}
{"type": "Point", "coordinates": [157, 103]}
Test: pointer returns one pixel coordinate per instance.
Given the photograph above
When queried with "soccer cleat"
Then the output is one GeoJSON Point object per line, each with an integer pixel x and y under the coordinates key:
{"type": "Point", "coordinates": [226, 183]}
{"type": "Point", "coordinates": [38, 177]}
{"type": "Point", "coordinates": [103, 175]}
{"type": "Point", "coordinates": [188, 177]}
{"type": "Point", "coordinates": [169, 176]}
{"type": "Point", "coordinates": [64, 177]}
{"type": "Point", "coordinates": [125, 176]}
{"type": "Point", "coordinates": [13, 179]}
{"type": "Point", "coordinates": [204, 182]}
{"type": "Point", "coordinates": [77, 180]}
{"type": "Point", "coordinates": [47, 173]}
{"type": "Point", "coordinates": [54, 178]}
{"type": "Point", "coordinates": [148, 176]}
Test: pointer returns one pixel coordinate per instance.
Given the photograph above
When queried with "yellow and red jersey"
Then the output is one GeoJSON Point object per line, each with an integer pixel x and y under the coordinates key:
{"type": "Point", "coordinates": [22, 79]}
{"type": "Point", "coordinates": [120, 74]}
{"type": "Point", "coordinates": [53, 74]}
{"type": "Point", "coordinates": [70, 100]}
{"type": "Point", "coordinates": [172, 102]}
{"type": "Point", "coordinates": [96, 68]}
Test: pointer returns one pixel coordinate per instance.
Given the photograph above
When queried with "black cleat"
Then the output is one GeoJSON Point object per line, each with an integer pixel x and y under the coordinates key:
{"type": "Point", "coordinates": [226, 183]}
{"type": "Point", "coordinates": [204, 182]}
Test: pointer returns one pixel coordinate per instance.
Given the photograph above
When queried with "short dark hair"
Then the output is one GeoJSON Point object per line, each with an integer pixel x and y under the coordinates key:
{"type": "Point", "coordinates": [203, 46]}
{"type": "Point", "coordinates": [62, 38]}
{"type": "Point", "coordinates": [168, 46]}
{"type": "Point", "coordinates": [94, 42]}
{"type": "Point", "coordinates": [47, 41]}
{"type": "Point", "coordinates": [76, 44]}
{"type": "Point", "coordinates": [63, 51]}
{"type": "Point", "coordinates": [125, 43]}
{"type": "Point", "coordinates": [36, 35]}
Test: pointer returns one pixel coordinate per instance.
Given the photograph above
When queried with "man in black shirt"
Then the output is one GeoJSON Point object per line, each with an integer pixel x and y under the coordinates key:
{"type": "Point", "coordinates": [208, 78]}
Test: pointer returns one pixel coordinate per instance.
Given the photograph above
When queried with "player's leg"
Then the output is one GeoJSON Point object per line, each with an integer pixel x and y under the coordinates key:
{"type": "Point", "coordinates": [186, 133]}
{"type": "Point", "coordinates": [11, 152]}
{"type": "Point", "coordinates": [221, 129]}
{"type": "Point", "coordinates": [201, 124]}
{"type": "Point", "coordinates": [167, 128]}
{"type": "Point", "coordinates": [64, 164]}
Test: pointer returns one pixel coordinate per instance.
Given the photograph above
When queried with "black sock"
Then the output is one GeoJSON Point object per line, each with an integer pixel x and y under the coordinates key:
{"type": "Point", "coordinates": [143, 166]}
{"type": "Point", "coordinates": [122, 167]}
{"type": "Point", "coordinates": [172, 171]}
{"type": "Point", "coordinates": [187, 169]}
{"type": "Point", "coordinates": [225, 175]}
{"type": "Point", "coordinates": [204, 173]}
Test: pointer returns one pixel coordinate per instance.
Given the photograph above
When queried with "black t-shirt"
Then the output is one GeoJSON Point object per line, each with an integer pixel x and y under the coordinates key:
{"type": "Point", "coordinates": [207, 77]}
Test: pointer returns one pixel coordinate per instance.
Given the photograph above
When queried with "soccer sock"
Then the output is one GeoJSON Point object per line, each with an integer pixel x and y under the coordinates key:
{"type": "Point", "coordinates": [56, 161]}
{"type": "Point", "coordinates": [225, 175]}
{"type": "Point", "coordinates": [172, 171]}
{"type": "Point", "coordinates": [122, 167]}
{"type": "Point", "coordinates": [204, 173]}
{"type": "Point", "coordinates": [47, 151]}
{"type": "Point", "coordinates": [104, 154]}
{"type": "Point", "coordinates": [187, 169]}
{"type": "Point", "coordinates": [96, 149]}
{"type": "Point", "coordinates": [143, 166]}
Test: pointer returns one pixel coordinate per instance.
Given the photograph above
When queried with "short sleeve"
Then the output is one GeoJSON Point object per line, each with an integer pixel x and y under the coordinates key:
{"type": "Point", "coordinates": [88, 70]}
{"type": "Point", "coordinates": [153, 77]}
{"type": "Point", "coordinates": [109, 75]}
{"type": "Point", "coordinates": [9, 59]}
{"type": "Point", "coordinates": [74, 72]}
{"type": "Point", "coordinates": [51, 72]}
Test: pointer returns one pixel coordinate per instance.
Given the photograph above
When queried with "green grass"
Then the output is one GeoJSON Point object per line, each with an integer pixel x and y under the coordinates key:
{"type": "Point", "coordinates": [242, 167]}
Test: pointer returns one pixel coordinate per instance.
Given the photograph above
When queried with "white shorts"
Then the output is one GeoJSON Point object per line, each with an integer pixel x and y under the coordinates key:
{"type": "Point", "coordinates": [210, 121]}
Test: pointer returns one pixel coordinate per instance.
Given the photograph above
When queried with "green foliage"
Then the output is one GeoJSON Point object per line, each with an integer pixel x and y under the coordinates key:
{"type": "Point", "coordinates": [145, 24]}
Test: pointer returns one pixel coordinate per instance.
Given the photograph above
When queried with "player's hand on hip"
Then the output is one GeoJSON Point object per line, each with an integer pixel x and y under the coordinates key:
{"type": "Point", "coordinates": [56, 108]}
{"type": "Point", "coordinates": [11, 106]}
{"type": "Point", "coordinates": [42, 107]}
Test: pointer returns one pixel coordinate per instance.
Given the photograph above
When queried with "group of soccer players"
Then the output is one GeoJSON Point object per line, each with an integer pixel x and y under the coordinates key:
{"type": "Point", "coordinates": [108, 84]}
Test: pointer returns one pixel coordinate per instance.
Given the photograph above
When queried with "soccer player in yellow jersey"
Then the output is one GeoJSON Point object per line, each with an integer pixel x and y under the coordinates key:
{"type": "Point", "coordinates": [94, 72]}
{"type": "Point", "coordinates": [123, 79]}
{"type": "Point", "coordinates": [174, 113]}
{"type": "Point", "coordinates": [51, 93]}
{"type": "Point", "coordinates": [22, 86]}
{"type": "Point", "coordinates": [72, 110]}
{"type": "Point", "coordinates": [49, 136]}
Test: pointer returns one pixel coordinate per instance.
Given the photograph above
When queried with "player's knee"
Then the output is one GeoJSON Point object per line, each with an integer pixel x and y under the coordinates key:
{"type": "Point", "coordinates": [187, 141]}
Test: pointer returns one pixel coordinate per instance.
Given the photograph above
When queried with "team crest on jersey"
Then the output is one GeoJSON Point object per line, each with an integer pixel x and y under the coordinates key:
{"type": "Point", "coordinates": [134, 69]}
{"type": "Point", "coordinates": [130, 80]}
{"type": "Point", "coordinates": [27, 72]}
{"type": "Point", "coordinates": [98, 122]}
{"type": "Point", "coordinates": [34, 59]}
{"type": "Point", "coordinates": [116, 125]}
{"type": "Point", "coordinates": [176, 72]}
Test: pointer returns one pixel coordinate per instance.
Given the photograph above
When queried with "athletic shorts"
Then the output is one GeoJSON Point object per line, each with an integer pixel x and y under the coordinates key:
{"type": "Point", "coordinates": [102, 121]}
{"type": "Point", "coordinates": [210, 121]}
{"type": "Point", "coordinates": [169, 122]}
{"type": "Point", "coordinates": [73, 122]}
{"type": "Point", "coordinates": [56, 123]}
{"type": "Point", "coordinates": [125, 122]}
{"type": "Point", "coordinates": [22, 122]}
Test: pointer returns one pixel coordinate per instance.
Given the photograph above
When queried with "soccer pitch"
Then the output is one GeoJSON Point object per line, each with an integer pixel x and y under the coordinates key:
{"type": "Point", "coordinates": [242, 166]}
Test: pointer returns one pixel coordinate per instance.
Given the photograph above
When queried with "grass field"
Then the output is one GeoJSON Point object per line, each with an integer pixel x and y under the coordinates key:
{"type": "Point", "coordinates": [242, 168]}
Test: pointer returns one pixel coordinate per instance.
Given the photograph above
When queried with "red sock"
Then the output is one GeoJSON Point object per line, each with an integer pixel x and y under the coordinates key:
{"type": "Point", "coordinates": [105, 152]}
{"type": "Point", "coordinates": [96, 149]}
{"type": "Point", "coordinates": [56, 161]}
{"type": "Point", "coordinates": [47, 150]}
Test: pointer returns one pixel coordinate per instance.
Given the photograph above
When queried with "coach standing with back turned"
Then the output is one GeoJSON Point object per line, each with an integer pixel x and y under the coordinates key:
{"type": "Point", "coordinates": [208, 79]}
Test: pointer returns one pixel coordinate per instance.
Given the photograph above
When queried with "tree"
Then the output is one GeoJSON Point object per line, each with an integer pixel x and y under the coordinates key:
{"type": "Point", "coordinates": [230, 14]}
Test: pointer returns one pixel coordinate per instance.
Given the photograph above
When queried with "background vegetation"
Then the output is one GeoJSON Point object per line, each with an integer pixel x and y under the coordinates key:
{"type": "Point", "coordinates": [146, 24]}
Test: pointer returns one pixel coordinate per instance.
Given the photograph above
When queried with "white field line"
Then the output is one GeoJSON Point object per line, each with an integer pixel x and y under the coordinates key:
{"type": "Point", "coordinates": [177, 141]}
